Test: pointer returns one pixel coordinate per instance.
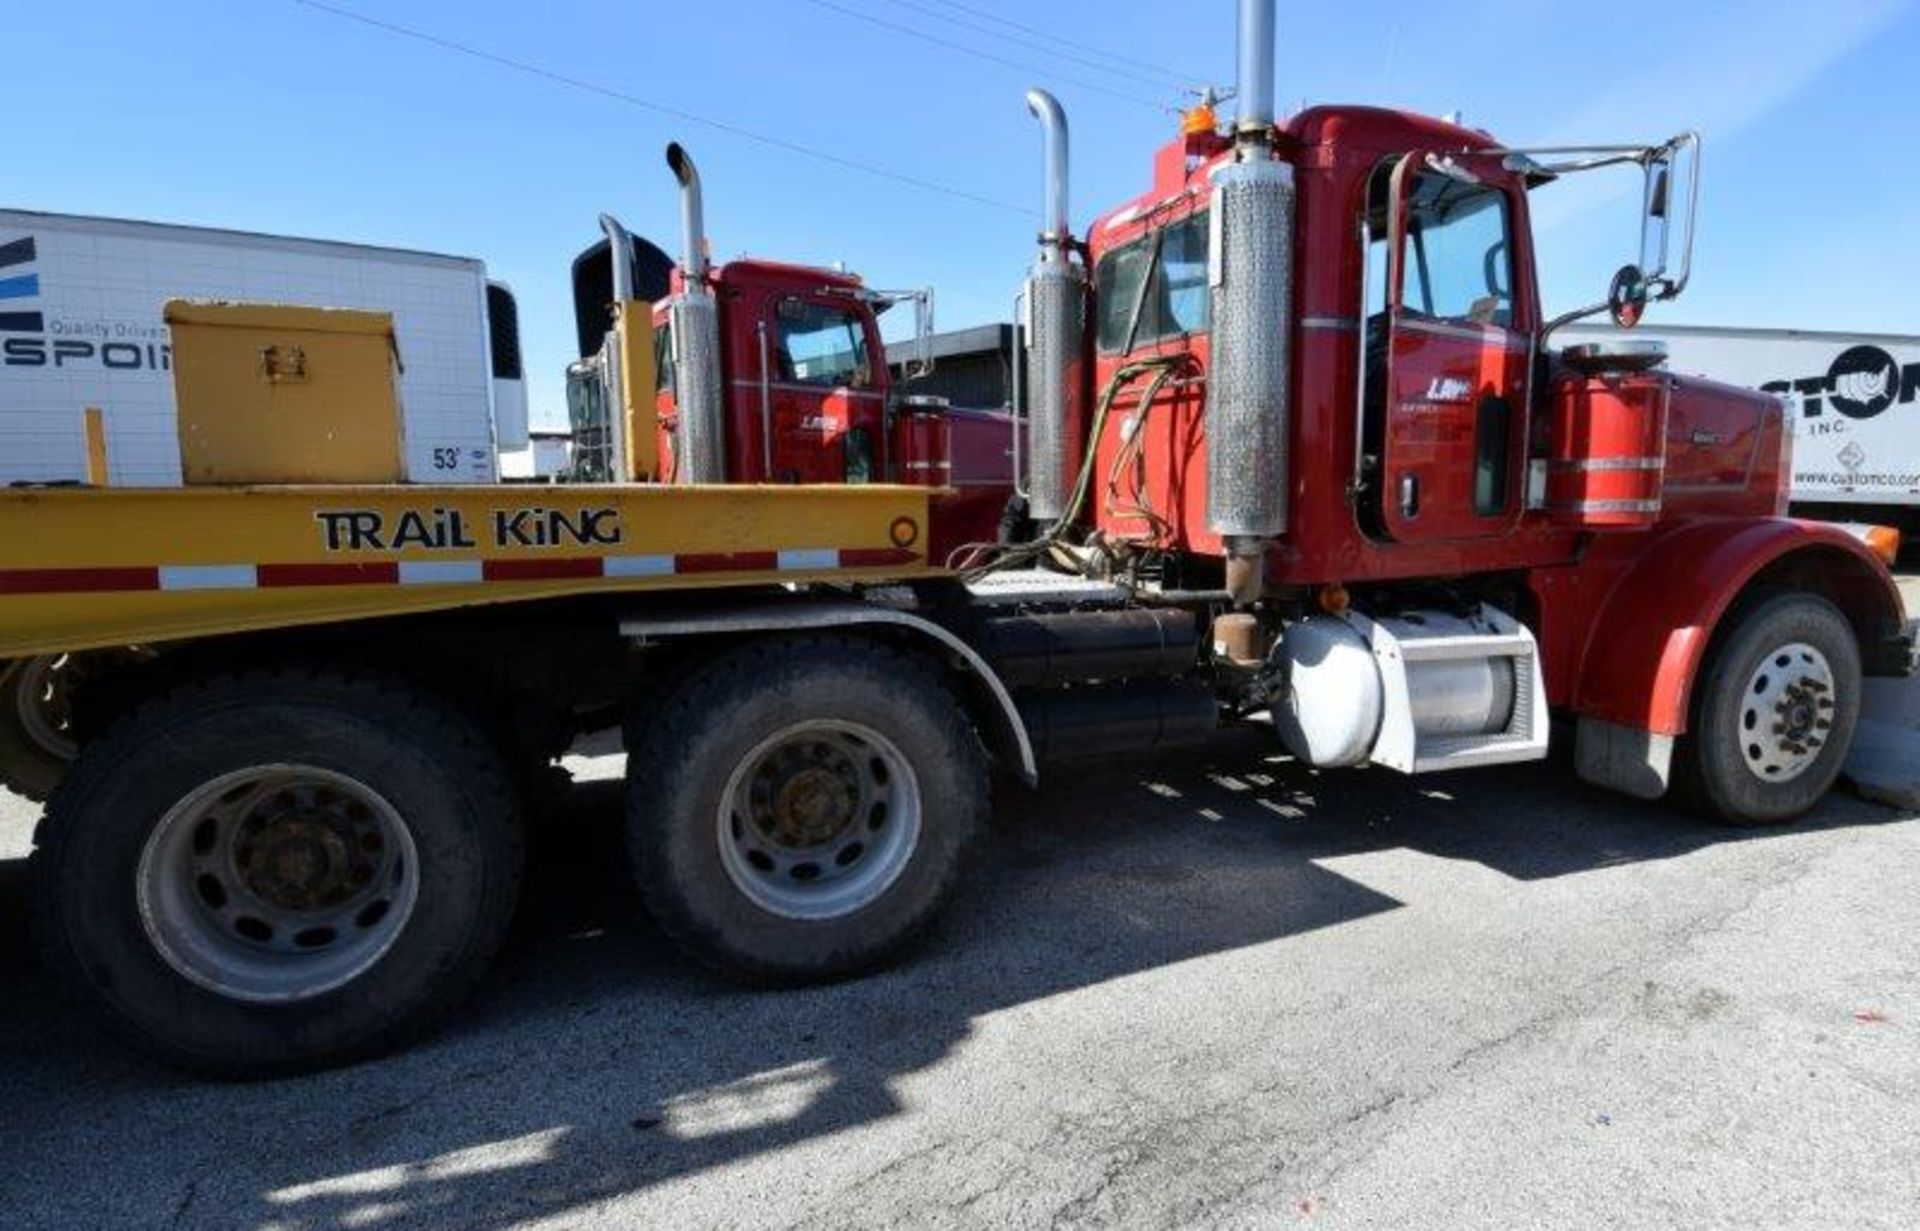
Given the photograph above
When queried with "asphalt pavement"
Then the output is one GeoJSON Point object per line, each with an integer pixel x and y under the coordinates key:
{"type": "Point", "coordinates": [1209, 989]}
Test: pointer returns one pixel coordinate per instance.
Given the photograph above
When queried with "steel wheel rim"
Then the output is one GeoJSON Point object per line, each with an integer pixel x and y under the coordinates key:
{"type": "Point", "coordinates": [277, 883]}
{"type": "Point", "coordinates": [819, 819]}
{"type": "Point", "coordinates": [1786, 712]}
{"type": "Point", "coordinates": [40, 703]}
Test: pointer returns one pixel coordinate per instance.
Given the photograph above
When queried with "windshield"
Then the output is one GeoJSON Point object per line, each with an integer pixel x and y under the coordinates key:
{"type": "Point", "coordinates": [1458, 255]}
{"type": "Point", "coordinates": [820, 344]}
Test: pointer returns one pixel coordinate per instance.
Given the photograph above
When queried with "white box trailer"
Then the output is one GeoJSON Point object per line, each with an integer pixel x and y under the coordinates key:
{"type": "Point", "coordinates": [80, 327]}
{"type": "Point", "coordinates": [1853, 400]}
{"type": "Point", "coordinates": [548, 458]}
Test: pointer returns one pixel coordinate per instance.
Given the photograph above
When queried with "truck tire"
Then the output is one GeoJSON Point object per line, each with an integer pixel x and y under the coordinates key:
{"type": "Point", "coordinates": [35, 747]}
{"type": "Point", "coordinates": [802, 808]}
{"type": "Point", "coordinates": [277, 871]}
{"type": "Point", "coordinates": [1774, 711]}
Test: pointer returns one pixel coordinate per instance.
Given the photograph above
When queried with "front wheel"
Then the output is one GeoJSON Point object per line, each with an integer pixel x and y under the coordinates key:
{"type": "Point", "coordinates": [801, 809]}
{"type": "Point", "coordinates": [1774, 711]}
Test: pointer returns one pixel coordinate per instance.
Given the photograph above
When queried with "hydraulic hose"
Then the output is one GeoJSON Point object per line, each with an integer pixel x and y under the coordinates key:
{"type": "Point", "coordinates": [979, 559]}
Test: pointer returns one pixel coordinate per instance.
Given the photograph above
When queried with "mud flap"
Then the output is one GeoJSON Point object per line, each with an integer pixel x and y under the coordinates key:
{"type": "Point", "coordinates": [1631, 760]}
{"type": "Point", "coordinates": [1884, 763]}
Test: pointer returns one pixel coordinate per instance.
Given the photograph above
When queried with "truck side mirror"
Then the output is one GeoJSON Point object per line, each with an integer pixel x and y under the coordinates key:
{"type": "Point", "coordinates": [1627, 297]}
{"type": "Point", "coordinates": [1672, 192]}
{"type": "Point", "coordinates": [1653, 223]}
{"type": "Point", "coordinates": [1494, 267]}
{"type": "Point", "coordinates": [1669, 205]}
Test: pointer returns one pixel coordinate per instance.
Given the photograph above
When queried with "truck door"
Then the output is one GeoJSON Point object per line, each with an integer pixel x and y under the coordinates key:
{"type": "Point", "coordinates": [1448, 381]}
{"type": "Point", "coordinates": [821, 398]}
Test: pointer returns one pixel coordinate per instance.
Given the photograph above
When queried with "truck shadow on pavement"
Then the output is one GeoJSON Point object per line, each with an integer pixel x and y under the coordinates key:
{"type": "Point", "coordinates": [596, 1063]}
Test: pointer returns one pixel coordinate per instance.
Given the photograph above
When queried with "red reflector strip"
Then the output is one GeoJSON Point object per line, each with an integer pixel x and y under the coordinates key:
{"type": "Point", "coordinates": [540, 569]}
{"type": "Point", "coordinates": [370, 573]}
{"type": "Point", "coordinates": [725, 561]}
{"type": "Point", "coordinates": [76, 580]}
{"type": "Point", "coordinates": [875, 557]}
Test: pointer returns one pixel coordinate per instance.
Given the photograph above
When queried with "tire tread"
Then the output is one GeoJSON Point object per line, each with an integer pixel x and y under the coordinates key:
{"type": "Point", "coordinates": [657, 767]}
{"type": "Point", "coordinates": [395, 701]}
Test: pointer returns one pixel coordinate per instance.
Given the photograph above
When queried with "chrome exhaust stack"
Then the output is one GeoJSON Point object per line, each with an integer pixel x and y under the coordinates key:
{"type": "Point", "coordinates": [700, 448]}
{"type": "Point", "coordinates": [693, 226]}
{"type": "Point", "coordinates": [1056, 310]}
{"type": "Point", "coordinates": [1053, 127]}
{"type": "Point", "coordinates": [1250, 271]}
{"type": "Point", "coordinates": [1255, 89]}
{"type": "Point", "coordinates": [620, 251]}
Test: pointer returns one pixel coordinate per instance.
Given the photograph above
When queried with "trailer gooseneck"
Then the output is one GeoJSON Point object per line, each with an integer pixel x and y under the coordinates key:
{"type": "Point", "coordinates": [1298, 445]}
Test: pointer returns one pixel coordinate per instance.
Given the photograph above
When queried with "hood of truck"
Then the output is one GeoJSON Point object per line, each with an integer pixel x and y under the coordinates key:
{"type": "Point", "coordinates": [1728, 449]}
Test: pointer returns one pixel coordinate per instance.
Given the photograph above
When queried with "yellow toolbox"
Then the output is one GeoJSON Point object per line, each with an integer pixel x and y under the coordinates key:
{"type": "Point", "coordinates": [271, 393]}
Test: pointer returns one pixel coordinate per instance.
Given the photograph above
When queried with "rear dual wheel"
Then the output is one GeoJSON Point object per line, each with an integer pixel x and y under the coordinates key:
{"type": "Point", "coordinates": [802, 808]}
{"type": "Point", "coordinates": [277, 871]}
{"type": "Point", "coordinates": [36, 740]}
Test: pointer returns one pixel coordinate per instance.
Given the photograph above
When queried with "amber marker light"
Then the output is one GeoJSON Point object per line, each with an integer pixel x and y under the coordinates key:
{"type": "Point", "coordinates": [1882, 541]}
{"type": "Point", "coordinates": [1198, 120]}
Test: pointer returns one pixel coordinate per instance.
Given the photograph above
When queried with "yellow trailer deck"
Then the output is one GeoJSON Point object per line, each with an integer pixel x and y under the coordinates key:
{"type": "Point", "coordinates": [86, 568]}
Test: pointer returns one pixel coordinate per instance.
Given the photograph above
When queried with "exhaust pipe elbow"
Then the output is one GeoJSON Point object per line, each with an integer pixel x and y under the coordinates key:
{"type": "Point", "coordinates": [1053, 121]}
{"type": "Point", "coordinates": [693, 234]}
{"type": "Point", "coordinates": [620, 249]}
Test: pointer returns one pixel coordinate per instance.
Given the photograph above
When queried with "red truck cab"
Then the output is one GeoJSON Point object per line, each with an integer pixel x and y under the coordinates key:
{"type": "Point", "coordinates": [808, 398]}
{"type": "Point", "coordinates": [768, 372]}
{"type": "Point", "coordinates": [805, 385]}
{"type": "Point", "coordinates": [1422, 453]}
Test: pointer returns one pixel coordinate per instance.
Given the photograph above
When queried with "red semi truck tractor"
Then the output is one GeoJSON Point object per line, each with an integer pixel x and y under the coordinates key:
{"type": "Point", "coordinates": [1298, 443]}
{"type": "Point", "coordinates": [1308, 370]}
{"type": "Point", "coordinates": [771, 372]}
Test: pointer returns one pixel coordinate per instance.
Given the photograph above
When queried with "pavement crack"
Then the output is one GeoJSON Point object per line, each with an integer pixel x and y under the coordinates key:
{"type": "Point", "coordinates": [182, 1206]}
{"type": "Point", "coordinates": [1117, 1164]}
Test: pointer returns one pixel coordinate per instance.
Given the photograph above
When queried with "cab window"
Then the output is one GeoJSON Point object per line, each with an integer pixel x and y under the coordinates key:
{"type": "Point", "coordinates": [1458, 258]}
{"type": "Point", "coordinates": [663, 359]}
{"type": "Point", "coordinates": [1163, 277]}
{"type": "Point", "coordinates": [819, 344]}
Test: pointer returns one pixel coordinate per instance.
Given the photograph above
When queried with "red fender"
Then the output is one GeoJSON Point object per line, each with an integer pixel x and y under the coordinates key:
{"type": "Point", "coordinates": [1638, 666]}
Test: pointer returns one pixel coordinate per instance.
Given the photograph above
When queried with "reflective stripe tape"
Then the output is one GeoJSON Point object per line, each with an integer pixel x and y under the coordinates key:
{"type": "Point", "coordinates": [540, 568]}
{"type": "Point", "coordinates": [637, 566]}
{"type": "Point", "coordinates": [1605, 506]}
{"type": "Point", "coordinates": [366, 573]}
{"type": "Point", "coordinates": [77, 580]}
{"type": "Point", "coordinates": [725, 562]}
{"type": "Point", "coordinates": [809, 559]}
{"type": "Point", "coordinates": [1592, 464]}
{"type": "Point", "coordinates": [875, 557]}
{"type": "Point", "coordinates": [440, 572]}
{"type": "Point", "coordinates": [184, 578]}
{"type": "Point", "coordinates": [208, 577]}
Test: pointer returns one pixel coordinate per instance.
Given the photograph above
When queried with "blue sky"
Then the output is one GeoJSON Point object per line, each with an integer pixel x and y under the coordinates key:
{"type": "Point", "coordinates": [270, 115]}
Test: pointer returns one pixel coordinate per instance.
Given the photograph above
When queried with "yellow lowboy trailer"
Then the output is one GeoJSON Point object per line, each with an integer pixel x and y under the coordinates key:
{"type": "Point", "coordinates": [289, 733]}
{"type": "Point", "coordinates": [85, 568]}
